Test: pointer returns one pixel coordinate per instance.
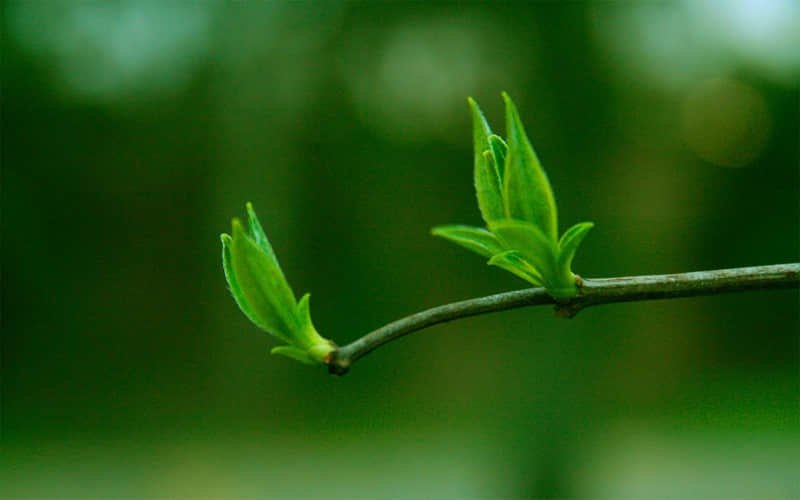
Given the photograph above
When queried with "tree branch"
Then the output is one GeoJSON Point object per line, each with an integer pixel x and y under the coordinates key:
{"type": "Point", "coordinates": [590, 293]}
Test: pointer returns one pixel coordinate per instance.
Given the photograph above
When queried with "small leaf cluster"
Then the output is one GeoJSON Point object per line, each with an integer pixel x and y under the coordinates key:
{"type": "Point", "coordinates": [517, 204]}
{"type": "Point", "coordinates": [260, 289]}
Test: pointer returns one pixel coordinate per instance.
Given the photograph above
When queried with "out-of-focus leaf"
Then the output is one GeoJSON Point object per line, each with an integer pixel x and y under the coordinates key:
{"type": "Point", "coordinates": [476, 239]}
{"type": "Point", "coordinates": [527, 193]}
{"type": "Point", "coordinates": [487, 181]}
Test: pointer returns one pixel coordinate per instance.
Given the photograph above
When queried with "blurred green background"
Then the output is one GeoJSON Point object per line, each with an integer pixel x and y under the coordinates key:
{"type": "Point", "coordinates": [132, 131]}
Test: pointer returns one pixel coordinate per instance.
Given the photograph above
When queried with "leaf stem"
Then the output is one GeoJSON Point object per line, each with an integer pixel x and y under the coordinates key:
{"type": "Point", "coordinates": [591, 292]}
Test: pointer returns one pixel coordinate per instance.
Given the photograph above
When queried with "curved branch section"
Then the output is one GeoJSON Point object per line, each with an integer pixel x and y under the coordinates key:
{"type": "Point", "coordinates": [342, 358]}
{"type": "Point", "coordinates": [590, 293]}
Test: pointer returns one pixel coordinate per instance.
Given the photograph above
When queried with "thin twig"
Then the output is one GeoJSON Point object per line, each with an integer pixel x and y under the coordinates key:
{"type": "Point", "coordinates": [590, 293]}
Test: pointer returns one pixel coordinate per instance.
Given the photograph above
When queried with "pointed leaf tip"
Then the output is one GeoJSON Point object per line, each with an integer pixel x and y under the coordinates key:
{"type": "Point", "coordinates": [262, 285]}
{"type": "Point", "coordinates": [258, 234]}
{"type": "Point", "coordinates": [569, 243]}
{"type": "Point", "coordinates": [308, 336]}
{"type": "Point", "coordinates": [480, 128]}
{"type": "Point", "coordinates": [488, 188]}
{"type": "Point", "coordinates": [236, 227]}
{"type": "Point", "coordinates": [526, 190]}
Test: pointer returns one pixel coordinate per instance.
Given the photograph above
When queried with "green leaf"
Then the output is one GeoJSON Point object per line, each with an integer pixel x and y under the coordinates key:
{"type": "Point", "coordinates": [499, 149]}
{"type": "Point", "coordinates": [262, 293]}
{"type": "Point", "coordinates": [304, 315]}
{"type": "Point", "coordinates": [532, 244]}
{"type": "Point", "coordinates": [308, 336]}
{"type": "Point", "coordinates": [258, 234]}
{"type": "Point", "coordinates": [569, 243]}
{"type": "Point", "coordinates": [527, 193]}
{"type": "Point", "coordinates": [233, 284]}
{"type": "Point", "coordinates": [487, 180]}
{"type": "Point", "coordinates": [294, 353]}
{"type": "Point", "coordinates": [513, 262]}
{"type": "Point", "coordinates": [480, 129]}
{"type": "Point", "coordinates": [476, 239]}
{"type": "Point", "coordinates": [317, 347]}
{"type": "Point", "coordinates": [262, 285]}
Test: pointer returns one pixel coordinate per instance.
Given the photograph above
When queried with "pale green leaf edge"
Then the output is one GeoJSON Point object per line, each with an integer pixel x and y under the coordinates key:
{"type": "Point", "coordinates": [526, 191]}
{"type": "Point", "coordinates": [499, 150]}
{"type": "Point", "coordinates": [263, 286]}
{"type": "Point", "coordinates": [532, 244]}
{"type": "Point", "coordinates": [258, 235]}
{"type": "Point", "coordinates": [513, 262]}
{"type": "Point", "coordinates": [233, 285]}
{"type": "Point", "coordinates": [569, 243]}
{"type": "Point", "coordinates": [488, 189]}
{"type": "Point", "coordinates": [476, 239]}
{"type": "Point", "coordinates": [287, 320]}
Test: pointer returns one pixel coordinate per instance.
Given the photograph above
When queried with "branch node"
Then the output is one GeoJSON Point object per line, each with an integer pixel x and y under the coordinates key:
{"type": "Point", "coordinates": [338, 365]}
{"type": "Point", "coordinates": [567, 309]}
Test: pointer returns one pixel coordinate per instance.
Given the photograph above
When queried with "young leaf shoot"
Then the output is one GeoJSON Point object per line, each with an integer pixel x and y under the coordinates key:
{"type": "Point", "coordinates": [265, 297]}
{"type": "Point", "coordinates": [521, 236]}
{"type": "Point", "coordinates": [518, 206]}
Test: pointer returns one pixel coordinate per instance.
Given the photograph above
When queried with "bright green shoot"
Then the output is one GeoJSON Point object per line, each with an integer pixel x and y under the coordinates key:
{"type": "Point", "coordinates": [514, 197]}
{"type": "Point", "coordinates": [262, 293]}
{"type": "Point", "coordinates": [521, 236]}
{"type": "Point", "coordinates": [517, 204]}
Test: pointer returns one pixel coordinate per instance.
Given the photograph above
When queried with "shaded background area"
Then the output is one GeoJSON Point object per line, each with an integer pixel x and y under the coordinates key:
{"type": "Point", "coordinates": [133, 131]}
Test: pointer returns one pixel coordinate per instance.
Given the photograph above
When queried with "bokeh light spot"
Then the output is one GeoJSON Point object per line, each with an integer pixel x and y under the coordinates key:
{"type": "Point", "coordinates": [114, 50]}
{"type": "Point", "coordinates": [671, 45]}
{"type": "Point", "coordinates": [410, 83]}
